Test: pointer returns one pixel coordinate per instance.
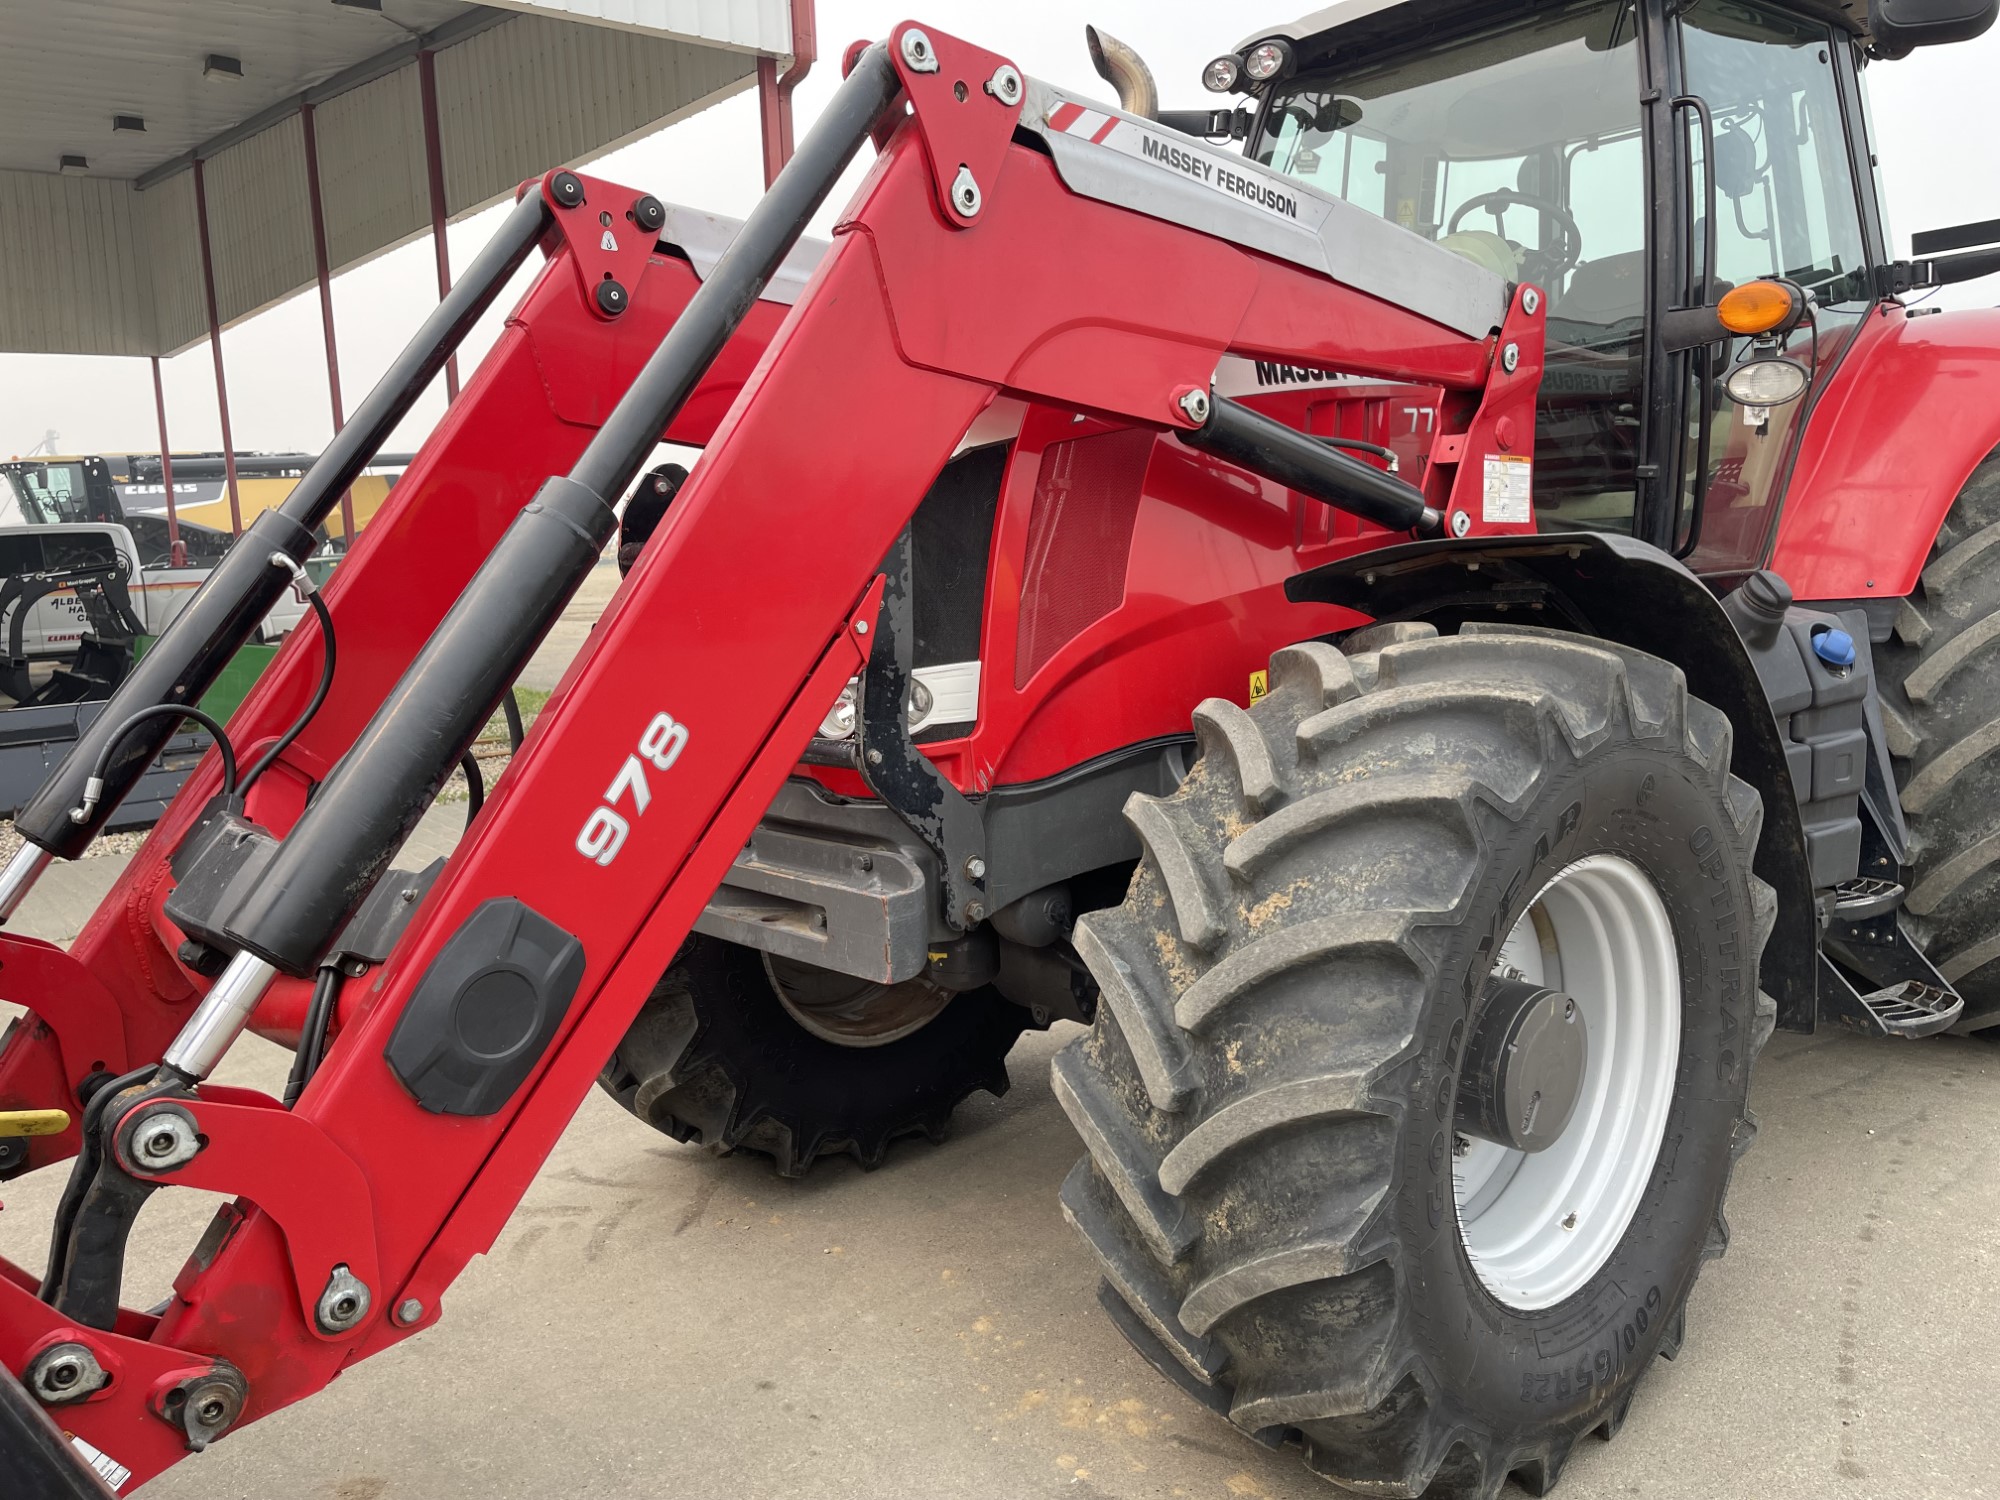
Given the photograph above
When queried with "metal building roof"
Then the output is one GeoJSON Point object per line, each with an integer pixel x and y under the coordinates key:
{"type": "Point", "coordinates": [102, 256]}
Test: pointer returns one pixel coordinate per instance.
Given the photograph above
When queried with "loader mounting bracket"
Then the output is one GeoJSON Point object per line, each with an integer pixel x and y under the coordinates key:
{"type": "Point", "coordinates": [966, 101]}
{"type": "Point", "coordinates": [896, 771]}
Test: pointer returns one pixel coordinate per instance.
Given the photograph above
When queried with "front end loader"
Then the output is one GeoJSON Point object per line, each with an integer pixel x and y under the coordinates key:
{"type": "Point", "coordinates": [1424, 972]}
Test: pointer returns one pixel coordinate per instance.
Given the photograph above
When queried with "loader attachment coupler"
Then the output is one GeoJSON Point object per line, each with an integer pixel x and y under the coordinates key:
{"type": "Point", "coordinates": [427, 1097]}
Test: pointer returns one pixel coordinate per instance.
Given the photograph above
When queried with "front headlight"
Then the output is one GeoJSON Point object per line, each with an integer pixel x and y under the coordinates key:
{"type": "Point", "coordinates": [1268, 60]}
{"type": "Point", "coordinates": [1222, 75]}
{"type": "Point", "coordinates": [1766, 382]}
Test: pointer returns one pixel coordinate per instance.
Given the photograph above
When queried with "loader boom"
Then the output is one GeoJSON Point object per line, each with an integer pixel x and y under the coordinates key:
{"type": "Point", "coordinates": [669, 735]}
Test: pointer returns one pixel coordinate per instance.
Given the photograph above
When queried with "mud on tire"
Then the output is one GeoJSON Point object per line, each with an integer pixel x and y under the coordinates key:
{"type": "Point", "coordinates": [713, 1058]}
{"type": "Point", "coordinates": [1266, 1097]}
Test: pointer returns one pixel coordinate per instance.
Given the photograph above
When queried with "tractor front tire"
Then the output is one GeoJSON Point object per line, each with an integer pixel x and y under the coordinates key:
{"type": "Point", "coordinates": [717, 1058]}
{"type": "Point", "coordinates": [1277, 1188]}
{"type": "Point", "coordinates": [1941, 705]}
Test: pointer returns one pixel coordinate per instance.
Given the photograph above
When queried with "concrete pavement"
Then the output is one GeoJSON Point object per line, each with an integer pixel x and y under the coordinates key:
{"type": "Point", "coordinates": [653, 1323]}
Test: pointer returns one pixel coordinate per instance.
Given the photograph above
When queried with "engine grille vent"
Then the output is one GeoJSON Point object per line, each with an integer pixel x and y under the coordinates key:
{"type": "Point", "coordinates": [1079, 539]}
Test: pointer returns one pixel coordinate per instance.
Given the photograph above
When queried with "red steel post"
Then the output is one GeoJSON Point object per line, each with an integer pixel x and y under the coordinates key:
{"type": "Point", "coordinates": [177, 550]}
{"type": "Point", "coordinates": [325, 300]}
{"type": "Point", "coordinates": [215, 346]}
{"type": "Point", "coordinates": [434, 169]}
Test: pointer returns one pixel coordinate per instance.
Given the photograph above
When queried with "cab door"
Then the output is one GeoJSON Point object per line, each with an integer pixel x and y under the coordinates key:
{"type": "Point", "coordinates": [1770, 120]}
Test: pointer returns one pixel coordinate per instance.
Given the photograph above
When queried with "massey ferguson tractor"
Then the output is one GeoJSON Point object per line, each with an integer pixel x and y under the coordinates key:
{"type": "Point", "coordinates": [1431, 631]}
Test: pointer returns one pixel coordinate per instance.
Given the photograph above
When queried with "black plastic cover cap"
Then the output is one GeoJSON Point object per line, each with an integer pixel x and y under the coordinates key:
{"type": "Point", "coordinates": [485, 1010]}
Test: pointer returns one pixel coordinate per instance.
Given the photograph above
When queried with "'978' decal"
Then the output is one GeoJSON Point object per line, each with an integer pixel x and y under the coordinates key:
{"type": "Point", "coordinates": [604, 831]}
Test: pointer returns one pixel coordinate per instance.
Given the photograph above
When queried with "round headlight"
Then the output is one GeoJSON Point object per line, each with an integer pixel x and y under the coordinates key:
{"type": "Point", "coordinates": [839, 721]}
{"type": "Point", "coordinates": [1222, 75]}
{"type": "Point", "coordinates": [1268, 60]}
{"type": "Point", "coordinates": [1766, 382]}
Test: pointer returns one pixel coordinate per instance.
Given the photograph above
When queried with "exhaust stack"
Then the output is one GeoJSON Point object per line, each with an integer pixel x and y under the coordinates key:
{"type": "Point", "coordinates": [1126, 71]}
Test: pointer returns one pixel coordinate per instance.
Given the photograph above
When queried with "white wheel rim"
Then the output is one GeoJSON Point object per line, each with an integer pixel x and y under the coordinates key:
{"type": "Point", "coordinates": [1537, 1227]}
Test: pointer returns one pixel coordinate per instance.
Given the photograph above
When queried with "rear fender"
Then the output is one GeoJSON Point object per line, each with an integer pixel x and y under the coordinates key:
{"type": "Point", "coordinates": [1905, 419]}
{"type": "Point", "coordinates": [1622, 590]}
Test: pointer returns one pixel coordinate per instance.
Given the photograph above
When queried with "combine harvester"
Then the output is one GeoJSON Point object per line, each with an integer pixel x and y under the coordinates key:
{"type": "Point", "coordinates": [1650, 702]}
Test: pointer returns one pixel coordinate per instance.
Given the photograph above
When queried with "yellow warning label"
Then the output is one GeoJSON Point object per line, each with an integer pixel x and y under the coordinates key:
{"type": "Point", "coordinates": [1260, 684]}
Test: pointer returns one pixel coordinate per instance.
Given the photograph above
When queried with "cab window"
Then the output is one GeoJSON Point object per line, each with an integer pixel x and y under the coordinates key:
{"type": "Point", "coordinates": [1519, 149]}
{"type": "Point", "coordinates": [1785, 205]}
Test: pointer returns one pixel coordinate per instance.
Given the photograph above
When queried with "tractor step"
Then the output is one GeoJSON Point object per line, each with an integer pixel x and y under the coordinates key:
{"type": "Point", "coordinates": [1859, 899]}
{"type": "Point", "coordinates": [1911, 1008]}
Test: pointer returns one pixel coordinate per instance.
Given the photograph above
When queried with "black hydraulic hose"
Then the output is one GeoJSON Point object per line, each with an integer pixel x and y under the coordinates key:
{"type": "Point", "coordinates": [510, 705]}
{"type": "Point", "coordinates": [93, 786]}
{"type": "Point", "coordinates": [1356, 445]}
{"type": "Point", "coordinates": [283, 742]}
{"type": "Point", "coordinates": [312, 1035]}
{"type": "Point", "coordinates": [475, 786]}
{"type": "Point", "coordinates": [346, 837]}
{"type": "Point", "coordinates": [225, 611]}
{"type": "Point", "coordinates": [1266, 446]}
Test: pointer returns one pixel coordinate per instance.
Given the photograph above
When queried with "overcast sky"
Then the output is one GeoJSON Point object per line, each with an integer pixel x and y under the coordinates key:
{"type": "Point", "coordinates": [1940, 160]}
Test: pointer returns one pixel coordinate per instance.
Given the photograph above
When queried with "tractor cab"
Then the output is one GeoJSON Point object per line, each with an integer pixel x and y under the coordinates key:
{"type": "Point", "coordinates": [1633, 159]}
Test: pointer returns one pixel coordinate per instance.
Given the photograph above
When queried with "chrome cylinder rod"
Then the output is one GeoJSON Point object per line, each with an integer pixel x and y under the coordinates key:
{"type": "Point", "coordinates": [19, 878]}
{"type": "Point", "coordinates": [220, 1018]}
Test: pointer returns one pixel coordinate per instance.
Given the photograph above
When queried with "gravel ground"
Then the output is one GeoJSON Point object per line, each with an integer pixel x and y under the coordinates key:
{"type": "Point", "coordinates": [105, 845]}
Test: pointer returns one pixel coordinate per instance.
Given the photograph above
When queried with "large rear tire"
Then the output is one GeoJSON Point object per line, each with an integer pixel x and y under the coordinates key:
{"type": "Point", "coordinates": [721, 1056]}
{"type": "Point", "coordinates": [1274, 1187]}
{"type": "Point", "coordinates": [1941, 704]}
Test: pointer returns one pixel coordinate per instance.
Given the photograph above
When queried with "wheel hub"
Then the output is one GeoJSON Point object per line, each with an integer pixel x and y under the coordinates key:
{"type": "Point", "coordinates": [853, 1012]}
{"type": "Point", "coordinates": [1522, 1073]}
{"type": "Point", "coordinates": [1543, 1205]}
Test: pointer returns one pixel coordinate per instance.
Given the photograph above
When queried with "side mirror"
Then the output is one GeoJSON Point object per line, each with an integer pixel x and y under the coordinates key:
{"type": "Point", "coordinates": [1899, 26]}
{"type": "Point", "coordinates": [1735, 162]}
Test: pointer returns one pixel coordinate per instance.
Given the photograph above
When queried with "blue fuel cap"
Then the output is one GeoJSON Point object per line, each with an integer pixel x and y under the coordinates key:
{"type": "Point", "coordinates": [1835, 648]}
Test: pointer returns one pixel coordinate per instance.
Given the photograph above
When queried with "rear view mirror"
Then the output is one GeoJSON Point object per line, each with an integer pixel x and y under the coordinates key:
{"type": "Point", "coordinates": [1898, 26]}
{"type": "Point", "coordinates": [1735, 162]}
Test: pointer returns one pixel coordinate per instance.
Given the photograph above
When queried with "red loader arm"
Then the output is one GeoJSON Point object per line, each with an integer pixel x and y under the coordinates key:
{"type": "Point", "coordinates": [355, 1210]}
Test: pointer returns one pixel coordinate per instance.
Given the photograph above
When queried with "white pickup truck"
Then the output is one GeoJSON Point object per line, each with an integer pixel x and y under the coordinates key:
{"type": "Point", "coordinates": [61, 518]}
{"type": "Point", "coordinates": [82, 585]}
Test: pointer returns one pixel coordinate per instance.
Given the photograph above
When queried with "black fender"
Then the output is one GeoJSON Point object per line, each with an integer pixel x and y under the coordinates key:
{"type": "Point", "coordinates": [1623, 590]}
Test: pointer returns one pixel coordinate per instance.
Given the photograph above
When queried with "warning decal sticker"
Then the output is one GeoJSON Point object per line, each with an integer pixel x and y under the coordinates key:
{"type": "Point", "coordinates": [113, 1473]}
{"type": "Point", "coordinates": [1508, 495]}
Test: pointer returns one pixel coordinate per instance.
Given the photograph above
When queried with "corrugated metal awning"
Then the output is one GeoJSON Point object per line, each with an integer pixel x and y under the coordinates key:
{"type": "Point", "coordinates": [103, 257]}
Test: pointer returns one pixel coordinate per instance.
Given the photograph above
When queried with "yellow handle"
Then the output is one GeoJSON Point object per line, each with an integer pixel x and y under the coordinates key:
{"type": "Point", "coordinates": [15, 1122]}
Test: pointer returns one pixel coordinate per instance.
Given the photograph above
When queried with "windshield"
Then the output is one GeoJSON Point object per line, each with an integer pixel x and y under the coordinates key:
{"type": "Point", "coordinates": [20, 502]}
{"type": "Point", "coordinates": [1519, 149]}
{"type": "Point", "coordinates": [45, 494]}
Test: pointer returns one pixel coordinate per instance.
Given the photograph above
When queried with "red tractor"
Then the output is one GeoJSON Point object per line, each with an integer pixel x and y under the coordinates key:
{"type": "Point", "coordinates": [1508, 464]}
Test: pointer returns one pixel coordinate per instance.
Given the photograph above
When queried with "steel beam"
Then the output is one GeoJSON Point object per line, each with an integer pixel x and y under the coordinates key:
{"type": "Point", "coordinates": [434, 170]}
{"type": "Point", "coordinates": [325, 301]}
{"type": "Point", "coordinates": [177, 550]}
{"type": "Point", "coordinates": [215, 346]}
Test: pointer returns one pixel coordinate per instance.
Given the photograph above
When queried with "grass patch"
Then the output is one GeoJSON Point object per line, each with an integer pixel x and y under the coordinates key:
{"type": "Point", "coordinates": [532, 701]}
